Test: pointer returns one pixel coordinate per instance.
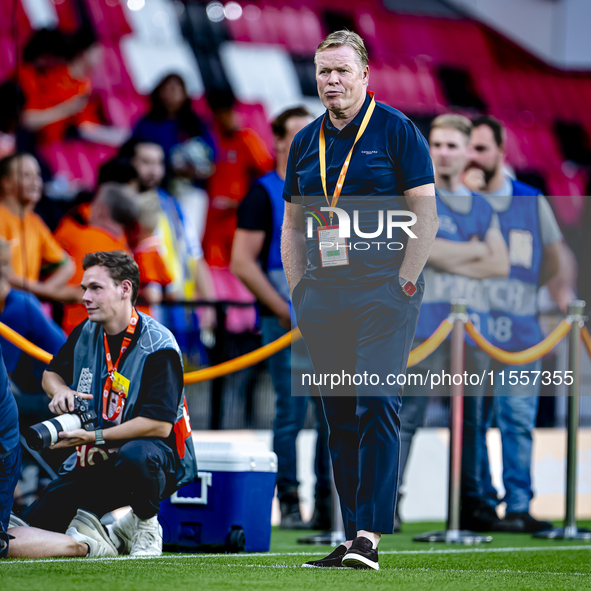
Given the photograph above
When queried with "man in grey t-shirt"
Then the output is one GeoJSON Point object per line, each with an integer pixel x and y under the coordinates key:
{"type": "Point", "coordinates": [469, 247]}
{"type": "Point", "coordinates": [534, 239]}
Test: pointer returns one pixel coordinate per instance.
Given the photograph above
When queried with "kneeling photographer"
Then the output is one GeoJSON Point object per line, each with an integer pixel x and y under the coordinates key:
{"type": "Point", "coordinates": [117, 388]}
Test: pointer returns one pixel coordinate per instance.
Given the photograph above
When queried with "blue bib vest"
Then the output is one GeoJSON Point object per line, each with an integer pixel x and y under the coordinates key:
{"type": "Point", "coordinates": [514, 312]}
{"type": "Point", "coordinates": [90, 373]}
{"type": "Point", "coordinates": [273, 184]}
{"type": "Point", "coordinates": [441, 288]}
{"type": "Point", "coordinates": [523, 189]}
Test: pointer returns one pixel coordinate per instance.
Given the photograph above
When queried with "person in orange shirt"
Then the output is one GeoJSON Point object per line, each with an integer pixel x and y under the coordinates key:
{"type": "Point", "coordinates": [34, 250]}
{"type": "Point", "coordinates": [96, 226]}
{"type": "Point", "coordinates": [242, 157]}
{"type": "Point", "coordinates": [146, 247]}
{"type": "Point", "coordinates": [56, 81]}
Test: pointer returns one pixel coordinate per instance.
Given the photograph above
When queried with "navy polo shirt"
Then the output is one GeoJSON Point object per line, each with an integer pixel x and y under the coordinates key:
{"type": "Point", "coordinates": [390, 158]}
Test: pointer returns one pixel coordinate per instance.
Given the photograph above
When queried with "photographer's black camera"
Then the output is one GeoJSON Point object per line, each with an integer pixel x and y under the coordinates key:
{"type": "Point", "coordinates": [46, 433]}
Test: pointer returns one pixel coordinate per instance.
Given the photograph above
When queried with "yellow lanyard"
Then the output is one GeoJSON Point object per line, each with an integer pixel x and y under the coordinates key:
{"type": "Point", "coordinates": [345, 168]}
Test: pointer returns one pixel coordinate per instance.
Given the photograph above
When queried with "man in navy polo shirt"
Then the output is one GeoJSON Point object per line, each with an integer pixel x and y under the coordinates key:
{"type": "Point", "coordinates": [357, 290]}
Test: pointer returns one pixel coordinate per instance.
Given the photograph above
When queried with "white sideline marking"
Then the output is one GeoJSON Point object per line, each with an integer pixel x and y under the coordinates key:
{"type": "Point", "coordinates": [422, 569]}
{"type": "Point", "coordinates": [491, 571]}
{"type": "Point", "coordinates": [419, 569]}
{"type": "Point", "coordinates": [207, 557]}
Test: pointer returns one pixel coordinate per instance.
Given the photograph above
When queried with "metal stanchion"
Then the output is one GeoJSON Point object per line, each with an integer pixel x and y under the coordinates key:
{"type": "Point", "coordinates": [453, 533]}
{"type": "Point", "coordinates": [570, 531]}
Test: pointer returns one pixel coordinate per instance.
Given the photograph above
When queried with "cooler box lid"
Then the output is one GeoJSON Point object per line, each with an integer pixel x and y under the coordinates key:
{"type": "Point", "coordinates": [234, 456]}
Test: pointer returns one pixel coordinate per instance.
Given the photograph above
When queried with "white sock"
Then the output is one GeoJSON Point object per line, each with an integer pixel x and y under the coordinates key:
{"type": "Point", "coordinates": [373, 538]}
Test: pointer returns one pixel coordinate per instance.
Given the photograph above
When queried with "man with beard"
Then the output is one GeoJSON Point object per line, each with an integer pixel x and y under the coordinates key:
{"type": "Point", "coordinates": [534, 240]}
{"type": "Point", "coordinates": [181, 249]}
{"type": "Point", "coordinates": [469, 247]}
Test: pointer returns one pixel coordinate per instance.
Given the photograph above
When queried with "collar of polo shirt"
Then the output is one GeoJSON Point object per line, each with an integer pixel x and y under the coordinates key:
{"type": "Point", "coordinates": [355, 124]}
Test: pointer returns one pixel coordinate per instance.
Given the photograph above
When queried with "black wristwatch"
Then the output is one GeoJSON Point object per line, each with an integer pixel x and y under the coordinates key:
{"type": "Point", "coordinates": [408, 287]}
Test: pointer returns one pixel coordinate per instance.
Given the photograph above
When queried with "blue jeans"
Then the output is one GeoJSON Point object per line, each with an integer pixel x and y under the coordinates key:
{"type": "Point", "coordinates": [515, 409]}
{"type": "Point", "coordinates": [10, 469]}
{"type": "Point", "coordinates": [290, 412]}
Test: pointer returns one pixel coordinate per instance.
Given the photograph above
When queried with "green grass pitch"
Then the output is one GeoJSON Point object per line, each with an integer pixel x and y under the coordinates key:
{"type": "Point", "coordinates": [511, 562]}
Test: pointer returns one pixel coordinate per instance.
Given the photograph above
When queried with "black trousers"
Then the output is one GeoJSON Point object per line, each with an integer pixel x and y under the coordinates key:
{"type": "Point", "coordinates": [141, 475]}
{"type": "Point", "coordinates": [358, 331]}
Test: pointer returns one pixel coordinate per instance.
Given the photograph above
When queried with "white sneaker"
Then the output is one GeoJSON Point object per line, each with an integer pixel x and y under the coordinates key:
{"type": "Point", "coordinates": [87, 529]}
{"type": "Point", "coordinates": [147, 540]}
{"type": "Point", "coordinates": [122, 530]}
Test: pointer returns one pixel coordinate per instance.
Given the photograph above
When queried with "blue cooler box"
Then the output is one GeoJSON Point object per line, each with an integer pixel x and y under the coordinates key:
{"type": "Point", "coordinates": [229, 507]}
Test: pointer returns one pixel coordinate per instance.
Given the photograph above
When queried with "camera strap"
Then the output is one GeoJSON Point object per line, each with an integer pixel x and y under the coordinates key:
{"type": "Point", "coordinates": [112, 368]}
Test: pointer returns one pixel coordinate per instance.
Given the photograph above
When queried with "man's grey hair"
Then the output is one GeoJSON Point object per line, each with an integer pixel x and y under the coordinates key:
{"type": "Point", "coordinates": [121, 202]}
{"type": "Point", "coordinates": [345, 37]}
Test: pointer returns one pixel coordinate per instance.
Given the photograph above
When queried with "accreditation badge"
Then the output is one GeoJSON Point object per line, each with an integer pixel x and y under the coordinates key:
{"type": "Point", "coordinates": [521, 248]}
{"type": "Point", "coordinates": [119, 392]}
{"type": "Point", "coordinates": [332, 246]}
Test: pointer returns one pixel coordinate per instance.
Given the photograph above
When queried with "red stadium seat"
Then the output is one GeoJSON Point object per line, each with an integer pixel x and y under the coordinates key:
{"type": "Point", "coordinates": [516, 149]}
{"type": "Point", "coordinates": [7, 57]}
{"type": "Point", "coordinates": [68, 15]}
{"type": "Point", "coordinates": [408, 86]}
{"type": "Point", "coordinates": [60, 161]}
{"type": "Point", "coordinates": [8, 22]}
{"type": "Point", "coordinates": [111, 75]}
{"type": "Point", "coordinates": [109, 19]}
{"type": "Point", "coordinates": [202, 109]}
{"type": "Point", "coordinates": [78, 161]}
{"type": "Point", "coordinates": [569, 209]}
{"type": "Point", "coordinates": [90, 158]}
{"type": "Point", "coordinates": [298, 28]}
{"type": "Point", "coordinates": [495, 90]}
{"type": "Point", "coordinates": [253, 116]}
{"type": "Point", "coordinates": [303, 30]}
{"type": "Point", "coordinates": [561, 184]}
{"type": "Point", "coordinates": [125, 110]}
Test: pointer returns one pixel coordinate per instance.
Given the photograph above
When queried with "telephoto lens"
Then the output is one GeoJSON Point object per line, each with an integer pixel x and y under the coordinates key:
{"type": "Point", "coordinates": [46, 433]}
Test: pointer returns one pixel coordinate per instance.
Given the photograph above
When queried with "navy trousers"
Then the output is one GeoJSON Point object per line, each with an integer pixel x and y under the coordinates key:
{"type": "Point", "coordinates": [365, 332]}
{"type": "Point", "coordinates": [141, 475]}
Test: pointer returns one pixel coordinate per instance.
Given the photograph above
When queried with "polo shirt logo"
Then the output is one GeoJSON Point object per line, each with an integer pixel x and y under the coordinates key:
{"type": "Point", "coordinates": [369, 152]}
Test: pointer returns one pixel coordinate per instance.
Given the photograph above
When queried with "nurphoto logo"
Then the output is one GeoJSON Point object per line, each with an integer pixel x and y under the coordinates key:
{"type": "Point", "coordinates": [344, 223]}
{"type": "Point", "coordinates": [332, 237]}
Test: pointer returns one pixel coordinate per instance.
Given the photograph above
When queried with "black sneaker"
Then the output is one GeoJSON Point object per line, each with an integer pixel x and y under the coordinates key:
{"type": "Point", "coordinates": [322, 516]}
{"type": "Point", "coordinates": [477, 516]}
{"type": "Point", "coordinates": [291, 518]}
{"type": "Point", "coordinates": [333, 560]}
{"type": "Point", "coordinates": [525, 523]}
{"type": "Point", "coordinates": [361, 554]}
